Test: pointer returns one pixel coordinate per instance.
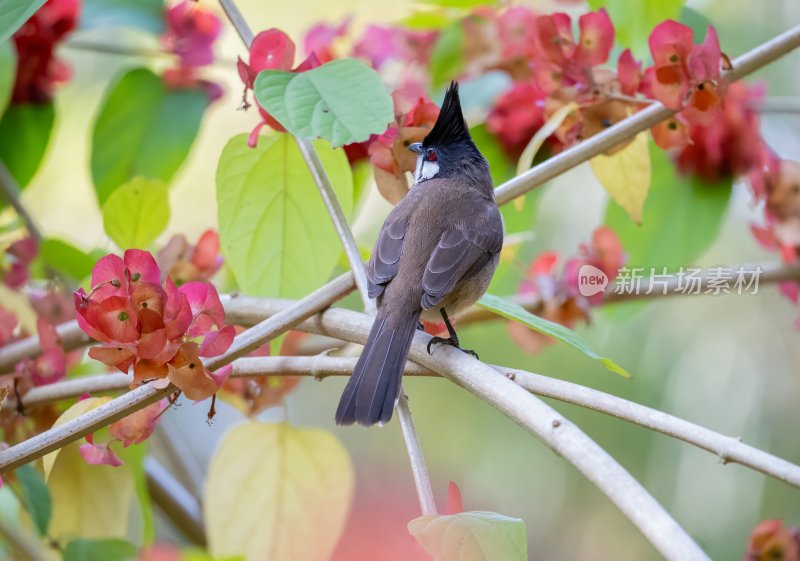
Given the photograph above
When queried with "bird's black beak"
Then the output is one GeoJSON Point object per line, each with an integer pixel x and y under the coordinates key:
{"type": "Point", "coordinates": [416, 147]}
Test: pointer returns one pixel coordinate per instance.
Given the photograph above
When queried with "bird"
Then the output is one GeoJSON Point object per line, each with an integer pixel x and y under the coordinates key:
{"type": "Point", "coordinates": [434, 257]}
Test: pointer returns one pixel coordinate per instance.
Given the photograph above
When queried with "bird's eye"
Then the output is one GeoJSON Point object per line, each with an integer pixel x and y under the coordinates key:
{"type": "Point", "coordinates": [431, 157]}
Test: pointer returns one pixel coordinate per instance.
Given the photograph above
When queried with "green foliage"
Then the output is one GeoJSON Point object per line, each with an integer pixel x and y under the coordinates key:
{"type": "Point", "coordinates": [428, 20]}
{"type": "Point", "coordinates": [681, 218]}
{"type": "Point", "coordinates": [146, 15]}
{"type": "Point", "coordinates": [697, 21]}
{"type": "Point", "coordinates": [136, 213]}
{"type": "Point", "coordinates": [275, 231]}
{"type": "Point", "coordinates": [13, 13]}
{"type": "Point", "coordinates": [134, 457]}
{"type": "Point", "coordinates": [24, 135]}
{"type": "Point", "coordinates": [36, 497]}
{"type": "Point", "coordinates": [343, 101]}
{"type": "Point", "coordinates": [99, 550]}
{"type": "Point", "coordinates": [471, 536]}
{"type": "Point", "coordinates": [460, 3]}
{"type": "Point", "coordinates": [515, 312]}
{"type": "Point", "coordinates": [8, 73]}
{"type": "Point", "coordinates": [66, 258]}
{"type": "Point", "coordinates": [633, 21]}
{"type": "Point", "coordinates": [500, 166]}
{"type": "Point", "coordinates": [447, 58]}
{"type": "Point", "coordinates": [143, 129]}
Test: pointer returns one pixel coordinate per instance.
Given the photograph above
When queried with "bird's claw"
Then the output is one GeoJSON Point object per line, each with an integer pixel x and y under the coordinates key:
{"type": "Point", "coordinates": [449, 341]}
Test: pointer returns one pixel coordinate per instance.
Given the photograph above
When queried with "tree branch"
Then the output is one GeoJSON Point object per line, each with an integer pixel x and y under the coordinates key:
{"type": "Point", "coordinates": [136, 399]}
{"type": "Point", "coordinates": [177, 504]}
{"type": "Point", "coordinates": [11, 192]}
{"type": "Point", "coordinates": [728, 449]}
{"type": "Point", "coordinates": [636, 123]}
{"type": "Point", "coordinates": [20, 544]}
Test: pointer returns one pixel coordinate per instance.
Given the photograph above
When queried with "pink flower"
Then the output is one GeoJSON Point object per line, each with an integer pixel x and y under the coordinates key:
{"type": "Point", "coordinates": [99, 454]}
{"type": "Point", "coordinates": [152, 326]}
{"type": "Point", "coordinates": [51, 365]}
{"type": "Point", "coordinates": [137, 427]}
{"type": "Point", "coordinates": [516, 27]}
{"type": "Point", "coordinates": [186, 262]}
{"type": "Point", "coordinates": [686, 76]}
{"type": "Point", "coordinates": [270, 50]}
{"type": "Point", "coordinates": [605, 253]}
{"type": "Point", "coordinates": [516, 116]}
{"type": "Point", "coordinates": [8, 326]}
{"type": "Point", "coordinates": [380, 44]}
{"type": "Point", "coordinates": [320, 37]}
{"type": "Point", "coordinates": [20, 255]}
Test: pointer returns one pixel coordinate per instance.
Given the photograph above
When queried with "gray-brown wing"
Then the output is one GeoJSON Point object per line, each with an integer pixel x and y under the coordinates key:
{"type": "Point", "coordinates": [460, 252]}
{"type": "Point", "coordinates": [385, 258]}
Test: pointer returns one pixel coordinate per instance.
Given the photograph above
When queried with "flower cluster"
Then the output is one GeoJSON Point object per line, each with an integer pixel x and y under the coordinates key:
{"type": "Point", "coordinates": [558, 294]}
{"type": "Point", "coordinates": [186, 263]}
{"type": "Point", "coordinates": [17, 260]}
{"type": "Point", "coordinates": [157, 329]}
{"type": "Point", "coordinates": [270, 50]}
{"type": "Point", "coordinates": [771, 540]}
{"type": "Point", "coordinates": [190, 34]}
{"type": "Point", "coordinates": [38, 69]}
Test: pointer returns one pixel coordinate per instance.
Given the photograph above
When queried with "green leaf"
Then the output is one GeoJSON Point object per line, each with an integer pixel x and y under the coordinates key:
{"type": "Point", "coordinates": [146, 15]}
{"type": "Point", "coordinates": [697, 21]}
{"type": "Point", "coordinates": [626, 175]}
{"type": "Point", "coordinates": [471, 536]}
{"type": "Point", "coordinates": [36, 497]}
{"type": "Point", "coordinates": [13, 13]}
{"type": "Point", "coordinates": [134, 458]}
{"type": "Point", "coordinates": [136, 213]}
{"type": "Point", "coordinates": [99, 550]}
{"type": "Point", "coordinates": [276, 235]}
{"type": "Point", "coordinates": [343, 101]}
{"type": "Point", "coordinates": [430, 20]}
{"type": "Point", "coordinates": [681, 218]}
{"type": "Point", "coordinates": [459, 3]}
{"type": "Point", "coordinates": [66, 258]}
{"type": "Point", "coordinates": [633, 21]}
{"type": "Point", "coordinates": [24, 135]}
{"type": "Point", "coordinates": [8, 73]}
{"type": "Point", "coordinates": [143, 129]}
{"type": "Point", "coordinates": [447, 57]}
{"type": "Point", "coordinates": [296, 483]}
{"type": "Point", "coordinates": [515, 312]}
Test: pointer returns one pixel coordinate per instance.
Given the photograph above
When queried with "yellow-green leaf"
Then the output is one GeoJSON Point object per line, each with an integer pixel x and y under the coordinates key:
{"type": "Point", "coordinates": [471, 536]}
{"type": "Point", "coordinates": [277, 492]}
{"type": "Point", "coordinates": [626, 175]}
{"type": "Point", "coordinates": [90, 501]}
{"type": "Point", "coordinates": [136, 213]}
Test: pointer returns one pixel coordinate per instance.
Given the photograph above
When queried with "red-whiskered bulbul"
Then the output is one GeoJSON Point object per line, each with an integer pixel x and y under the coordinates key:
{"type": "Point", "coordinates": [434, 257]}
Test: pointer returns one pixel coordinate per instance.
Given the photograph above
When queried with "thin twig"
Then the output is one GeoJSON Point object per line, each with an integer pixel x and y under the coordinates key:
{"type": "Point", "coordinates": [172, 498]}
{"type": "Point", "coordinates": [11, 192]}
{"type": "Point", "coordinates": [59, 436]}
{"type": "Point", "coordinates": [728, 449]}
{"type": "Point", "coordinates": [633, 125]}
{"type": "Point", "coordinates": [19, 543]}
{"type": "Point", "coordinates": [323, 182]}
{"type": "Point", "coordinates": [132, 51]}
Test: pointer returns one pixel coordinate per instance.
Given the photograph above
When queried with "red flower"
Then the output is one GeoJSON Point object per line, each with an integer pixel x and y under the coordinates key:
{"type": "Point", "coordinates": [38, 70]}
{"type": "Point", "coordinates": [186, 262]}
{"type": "Point", "coordinates": [686, 76]}
{"type": "Point", "coordinates": [51, 365]}
{"type": "Point", "coordinates": [516, 116]}
{"type": "Point", "coordinates": [605, 253]}
{"type": "Point", "coordinates": [415, 115]}
{"type": "Point", "coordinates": [20, 255]}
{"type": "Point", "coordinates": [379, 44]}
{"type": "Point", "coordinates": [155, 328]}
{"type": "Point", "coordinates": [320, 37]}
{"type": "Point", "coordinates": [771, 540]}
{"type": "Point", "coordinates": [270, 50]}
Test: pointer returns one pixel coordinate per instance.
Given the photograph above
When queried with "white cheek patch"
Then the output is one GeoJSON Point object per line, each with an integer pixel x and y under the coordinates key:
{"type": "Point", "coordinates": [426, 170]}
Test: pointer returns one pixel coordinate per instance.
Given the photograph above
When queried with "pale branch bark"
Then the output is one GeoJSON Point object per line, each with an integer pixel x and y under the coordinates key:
{"type": "Point", "coordinates": [532, 414]}
{"type": "Point", "coordinates": [321, 179]}
{"type": "Point", "coordinates": [729, 449]}
{"type": "Point", "coordinates": [10, 191]}
{"type": "Point", "coordinates": [636, 123]}
{"type": "Point", "coordinates": [136, 399]}
{"type": "Point", "coordinates": [72, 337]}
{"type": "Point", "coordinates": [177, 504]}
{"type": "Point", "coordinates": [20, 544]}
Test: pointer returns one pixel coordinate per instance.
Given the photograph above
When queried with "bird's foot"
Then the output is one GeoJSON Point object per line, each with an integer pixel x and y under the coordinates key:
{"type": "Point", "coordinates": [451, 342]}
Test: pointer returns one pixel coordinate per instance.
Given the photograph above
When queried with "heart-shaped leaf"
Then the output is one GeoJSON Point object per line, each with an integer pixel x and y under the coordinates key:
{"type": "Point", "coordinates": [625, 175]}
{"type": "Point", "coordinates": [143, 129]}
{"type": "Point", "coordinates": [24, 136]}
{"type": "Point", "coordinates": [13, 13]}
{"type": "Point", "coordinates": [136, 213]}
{"type": "Point", "coordinates": [343, 101]}
{"type": "Point", "coordinates": [471, 536]}
{"type": "Point", "coordinates": [36, 497]}
{"type": "Point", "coordinates": [275, 232]}
{"type": "Point", "coordinates": [99, 550]}
{"type": "Point", "coordinates": [294, 484]}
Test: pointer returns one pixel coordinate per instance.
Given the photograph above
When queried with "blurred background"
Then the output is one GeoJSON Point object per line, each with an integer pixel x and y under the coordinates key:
{"type": "Point", "coordinates": [730, 363]}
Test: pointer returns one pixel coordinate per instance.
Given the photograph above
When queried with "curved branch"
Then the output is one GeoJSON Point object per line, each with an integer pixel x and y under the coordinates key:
{"type": "Point", "coordinates": [728, 449]}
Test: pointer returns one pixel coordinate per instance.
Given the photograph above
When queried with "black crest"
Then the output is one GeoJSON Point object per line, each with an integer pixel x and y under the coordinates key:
{"type": "Point", "coordinates": [450, 127]}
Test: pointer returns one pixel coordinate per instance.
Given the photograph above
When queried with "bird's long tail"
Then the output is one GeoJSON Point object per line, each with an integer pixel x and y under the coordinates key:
{"type": "Point", "coordinates": [371, 392]}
